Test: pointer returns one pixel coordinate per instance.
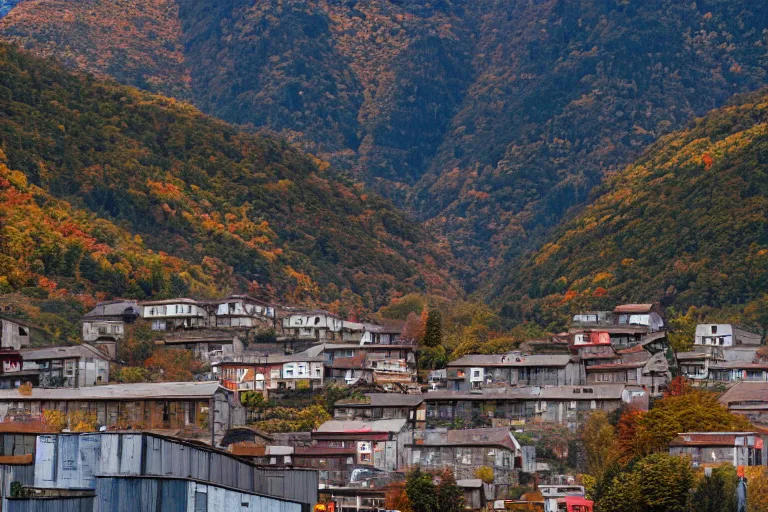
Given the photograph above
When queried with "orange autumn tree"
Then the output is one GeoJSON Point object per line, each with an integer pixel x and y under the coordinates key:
{"type": "Point", "coordinates": [643, 433]}
{"type": "Point", "coordinates": [173, 365]}
{"type": "Point", "coordinates": [397, 499]}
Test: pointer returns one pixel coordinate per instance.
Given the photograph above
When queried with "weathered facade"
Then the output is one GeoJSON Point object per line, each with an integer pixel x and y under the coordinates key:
{"type": "Point", "coordinates": [197, 409]}
{"type": "Point", "coordinates": [376, 406]}
{"type": "Point", "coordinates": [378, 444]}
{"type": "Point", "coordinates": [142, 471]}
{"type": "Point", "coordinates": [206, 344]}
{"type": "Point", "coordinates": [106, 322]}
{"type": "Point", "coordinates": [749, 399]}
{"type": "Point", "coordinates": [505, 406]}
{"type": "Point", "coordinates": [68, 367]}
{"type": "Point", "coordinates": [173, 314]}
{"type": "Point", "coordinates": [717, 448]}
{"type": "Point", "coordinates": [476, 371]}
{"type": "Point", "coordinates": [243, 312]}
{"type": "Point", "coordinates": [269, 372]}
{"type": "Point", "coordinates": [14, 334]}
{"type": "Point", "coordinates": [463, 451]}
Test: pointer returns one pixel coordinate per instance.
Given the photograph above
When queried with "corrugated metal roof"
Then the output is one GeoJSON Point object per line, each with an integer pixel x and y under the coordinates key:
{"type": "Point", "coordinates": [73, 351]}
{"type": "Point", "coordinates": [511, 360]}
{"type": "Point", "coordinates": [337, 426]}
{"type": "Point", "coordinates": [602, 391]}
{"type": "Point", "coordinates": [383, 400]}
{"type": "Point", "coordinates": [140, 391]}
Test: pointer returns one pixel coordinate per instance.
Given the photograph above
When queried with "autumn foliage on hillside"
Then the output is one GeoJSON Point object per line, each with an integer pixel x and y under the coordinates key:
{"type": "Point", "coordinates": [245, 211]}
{"type": "Point", "coordinates": [489, 119]}
{"type": "Point", "coordinates": [685, 225]}
{"type": "Point", "coordinates": [45, 243]}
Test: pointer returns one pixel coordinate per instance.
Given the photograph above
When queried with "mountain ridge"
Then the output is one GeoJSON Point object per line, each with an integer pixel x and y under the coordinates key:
{"type": "Point", "coordinates": [262, 215]}
{"type": "Point", "coordinates": [685, 225]}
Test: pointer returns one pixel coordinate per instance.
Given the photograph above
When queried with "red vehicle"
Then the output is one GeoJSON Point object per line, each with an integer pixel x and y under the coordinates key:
{"type": "Point", "coordinates": [575, 504]}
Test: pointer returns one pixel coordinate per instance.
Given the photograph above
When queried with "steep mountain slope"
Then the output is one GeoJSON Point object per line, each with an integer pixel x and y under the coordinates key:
{"type": "Point", "coordinates": [686, 224]}
{"type": "Point", "coordinates": [254, 212]}
{"type": "Point", "coordinates": [487, 119]}
{"type": "Point", "coordinates": [45, 243]}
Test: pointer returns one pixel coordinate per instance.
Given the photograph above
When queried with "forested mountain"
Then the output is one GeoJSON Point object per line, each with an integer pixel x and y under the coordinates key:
{"type": "Point", "coordinates": [166, 201]}
{"type": "Point", "coordinates": [487, 119]}
{"type": "Point", "coordinates": [686, 224]}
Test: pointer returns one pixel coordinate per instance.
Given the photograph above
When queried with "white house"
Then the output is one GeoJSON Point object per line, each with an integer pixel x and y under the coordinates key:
{"type": "Point", "coordinates": [174, 314]}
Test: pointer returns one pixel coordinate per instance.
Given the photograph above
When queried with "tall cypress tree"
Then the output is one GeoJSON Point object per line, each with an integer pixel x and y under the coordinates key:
{"type": "Point", "coordinates": [433, 336]}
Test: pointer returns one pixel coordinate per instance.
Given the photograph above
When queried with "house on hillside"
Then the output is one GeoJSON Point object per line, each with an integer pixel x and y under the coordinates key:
{"type": "Point", "coordinates": [510, 406]}
{"type": "Point", "coordinates": [711, 336]}
{"type": "Point", "coordinates": [203, 410]}
{"type": "Point", "coordinates": [463, 451]}
{"type": "Point", "coordinates": [392, 363]}
{"type": "Point", "coordinates": [749, 399]}
{"type": "Point", "coordinates": [734, 371]}
{"type": "Point", "coordinates": [205, 344]}
{"type": "Point", "coordinates": [718, 448]}
{"type": "Point", "coordinates": [174, 314]}
{"type": "Point", "coordinates": [635, 365]}
{"type": "Point", "coordinates": [271, 372]}
{"type": "Point", "coordinates": [106, 321]}
{"type": "Point", "coordinates": [476, 371]}
{"type": "Point", "coordinates": [243, 312]}
{"type": "Point", "coordinates": [310, 324]}
{"type": "Point", "coordinates": [627, 325]}
{"type": "Point", "coordinates": [375, 406]}
{"type": "Point", "coordinates": [378, 444]}
{"type": "Point", "coordinates": [74, 366]}
{"type": "Point", "coordinates": [14, 333]}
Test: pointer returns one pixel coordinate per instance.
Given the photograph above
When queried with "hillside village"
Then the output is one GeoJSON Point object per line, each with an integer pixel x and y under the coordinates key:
{"type": "Point", "coordinates": [482, 410]}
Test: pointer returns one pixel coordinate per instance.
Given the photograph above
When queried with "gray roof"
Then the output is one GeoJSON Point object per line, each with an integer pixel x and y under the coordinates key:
{"type": "Point", "coordinates": [586, 392]}
{"type": "Point", "coordinates": [356, 427]}
{"type": "Point", "coordinates": [260, 358]}
{"type": "Point", "coordinates": [158, 390]}
{"type": "Point", "coordinates": [746, 392]}
{"type": "Point", "coordinates": [470, 483]}
{"type": "Point", "coordinates": [70, 352]}
{"type": "Point", "coordinates": [469, 360]}
{"type": "Point", "coordinates": [598, 391]}
{"type": "Point", "coordinates": [685, 356]}
{"type": "Point", "coordinates": [384, 400]}
{"type": "Point", "coordinates": [499, 436]}
{"type": "Point", "coordinates": [113, 308]}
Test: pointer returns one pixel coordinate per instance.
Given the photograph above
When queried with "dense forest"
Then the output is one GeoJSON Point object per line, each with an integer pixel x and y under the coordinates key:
{"type": "Point", "coordinates": [486, 119]}
{"type": "Point", "coordinates": [686, 224]}
{"type": "Point", "coordinates": [165, 201]}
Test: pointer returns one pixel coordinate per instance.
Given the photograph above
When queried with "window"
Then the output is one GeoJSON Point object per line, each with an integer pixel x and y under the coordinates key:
{"type": "Point", "coordinates": [201, 502]}
{"type": "Point", "coordinates": [317, 320]}
{"type": "Point", "coordinates": [365, 457]}
{"type": "Point", "coordinates": [714, 329]}
{"type": "Point", "coordinates": [22, 331]}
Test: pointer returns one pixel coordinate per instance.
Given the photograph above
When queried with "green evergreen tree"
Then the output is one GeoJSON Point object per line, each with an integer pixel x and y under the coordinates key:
{"type": "Point", "coordinates": [434, 331]}
{"type": "Point", "coordinates": [421, 491]}
{"type": "Point", "coordinates": [717, 493]}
